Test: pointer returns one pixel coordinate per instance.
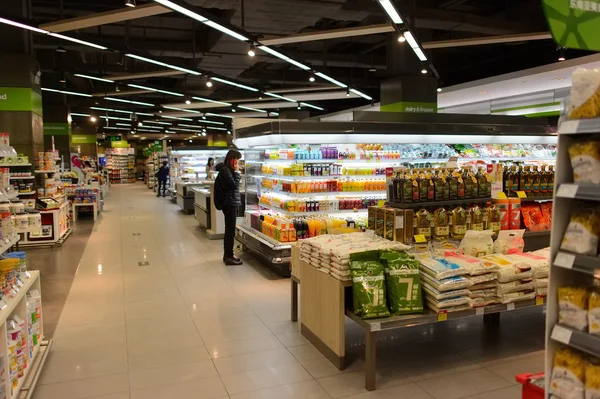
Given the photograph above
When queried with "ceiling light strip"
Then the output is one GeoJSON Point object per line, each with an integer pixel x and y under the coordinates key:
{"type": "Point", "coordinates": [129, 101]}
{"type": "Point", "coordinates": [228, 82]}
{"type": "Point", "coordinates": [71, 93]}
{"type": "Point", "coordinates": [330, 79]}
{"type": "Point", "coordinates": [280, 97]}
{"type": "Point", "coordinates": [363, 95]}
{"type": "Point", "coordinates": [412, 42]}
{"type": "Point", "coordinates": [311, 106]}
{"type": "Point", "coordinates": [156, 90]}
{"type": "Point", "coordinates": [155, 62]}
{"type": "Point", "coordinates": [391, 11]}
{"type": "Point", "coordinates": [78, 114]}
{"type": "Point", "coordinates": [176, 117]}
{"type": "Point", "coordinates": [72, 39]}
{"type": "Point", "coordinates": [218, 115]}
{"type": "Point", "coordinates": [93, 78]}
{"type": "Point", "coordinates": [251, 109]}
{"type": "Point", "coordinates": [191, 111]}
{"type": "Point", "coordinates": [208, 100]}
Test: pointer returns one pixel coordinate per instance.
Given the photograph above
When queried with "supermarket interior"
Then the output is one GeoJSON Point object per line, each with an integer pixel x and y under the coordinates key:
{"type": "Point", "coordinates": [302, 199]}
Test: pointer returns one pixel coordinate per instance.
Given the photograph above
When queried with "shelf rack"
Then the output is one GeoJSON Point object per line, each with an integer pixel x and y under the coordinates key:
{"type": "Point", "coordinates": [569, 269]}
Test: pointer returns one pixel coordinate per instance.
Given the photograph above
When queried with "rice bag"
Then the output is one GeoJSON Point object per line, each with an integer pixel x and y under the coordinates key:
{"type": "Point", "coordinates": [583, 232]}
{"type": "Point", "coordinates": [477, 243]}
{"type": "Point", "coordinates": [592, 381]}
{"type": "Point", "coordinates": [483, 278]}
{"type": "Point", "coordinates": [573, 307]}
{"type": "Point", "coordinates": [540, 265]}
{"type": "Point", "coordinates": [474, 265]}
{"type": "Point", "coordinates": [483, 301]}
{"type": "Point", "coordinates": [368, 285]}
{"type": "Point", "coordinates": [585, 161]}
{"type": "Point", "coordinates": [584, 101]}
{"type": "Point", "coordinates": [432, 292]}
{"type": "Point", "coordinates": [403, 282]}
{"type": "Point", "coordinates": [568, 374]}
{"type": "Point", "coordinates": [483, 286]}
{"type": "Point", "coordinates": [450, 305]}
{"type": "Point", "coordinates": [540, 282]}
{"type": "Point", "coordinates": [515, 297]}
{"type": "Point", "coordinates": [514, 286]}
{"type": "Point", "coordinates": [509, 269]}
{"type": "Point", "coordinates": [594, 313]}
{"type": "Point", "coordinates": [541, 291]}
{"type": "Point", "coordinates": [509, 242]}
{"type": "Point", "coordinates": [440, 269]}
{"type": "Point", "coordinates": [447, 284]}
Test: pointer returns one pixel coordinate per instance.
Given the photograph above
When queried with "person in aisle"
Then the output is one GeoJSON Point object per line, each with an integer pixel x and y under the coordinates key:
{"type": "Point", "coordinates": [227, 198]}
{"type": "Point", "coordinates": [162, 175]}
{"type": "Point", "coordinates": [209, 166]}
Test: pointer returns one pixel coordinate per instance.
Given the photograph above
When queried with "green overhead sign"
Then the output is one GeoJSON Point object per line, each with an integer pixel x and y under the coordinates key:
{"type": "Point", "coordinates": [119, 144]}
{"type": "Point", "coordinates": [410, 106]}
{"type": "Point", "coordinates": [574, 23]}
{"type": "Point", "coordinates": [20, 99]}
{"type": "Point", "coordinates": [56, 129]}
{"type": "Point", "coordinates": [83, 139]}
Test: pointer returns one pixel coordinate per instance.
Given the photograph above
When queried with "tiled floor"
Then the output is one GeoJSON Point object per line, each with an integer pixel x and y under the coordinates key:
{"type": "Point", "coordinates": [186, 326]}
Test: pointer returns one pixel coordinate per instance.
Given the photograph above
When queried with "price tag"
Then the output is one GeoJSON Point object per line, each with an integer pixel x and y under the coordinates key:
{"type": "Point", "coordinates": [521, 194]}
{"type": "Point", "coordinates": [567, 191]}
{"type": "Point", "coordinates": [479, 311]}
{"type": "Point", "coordinates": [420, 238]}
{"type": "Point", "coordinates": [561, 334]}
{"type": "Point", "coordinates": [443, 316]}
{"type": "Point", "coordinates": [381, 203]}
{"type": "Point", "coordinates": [510, 306]}
{"type": "Point", "coordinates": [539, 300]}
{"type": "Point", "coordinates": [28, 274]}
{"type": "Point", "coordinates": [502, 195]}
{"type": "Point", "coordinates": [375, 326]}
{"type": "Point", "coordinates": [564, 260]}
{"type": "Point", "coordinates": [3, 304]}
{"type": "Point", "coordinates": [20, 283]}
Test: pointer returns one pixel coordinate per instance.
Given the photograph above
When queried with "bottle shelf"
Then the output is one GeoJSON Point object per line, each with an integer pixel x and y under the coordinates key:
{"type": "Point", "coordinates": [267, 191]}
{"type": "Point", "coordinates": [328, 212]}
{"type": "Point", "coordinates": [416, 205]}
{"type": "Point", "coordinates": [309, 178]}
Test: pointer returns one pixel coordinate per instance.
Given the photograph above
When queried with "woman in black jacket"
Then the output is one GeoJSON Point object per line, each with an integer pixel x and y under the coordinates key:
{"type": "Point", "coordinates": [229, 180]}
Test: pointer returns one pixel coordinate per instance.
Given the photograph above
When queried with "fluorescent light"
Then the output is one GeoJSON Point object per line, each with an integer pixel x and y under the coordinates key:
{"type": "Point", "coordinates": [153, 127]}
{"type": "Point", "coordinates": [312, 106]}
{"type": "Point", "coordinates": [332, 80]}
{"type": "Point", "coordinates": [280, 97]}
{"type": "Point", "coordinates": [149, 131]}
{"type": "Point", "coordinates": [217, 128]}
{"type": "Point", "coordinates": [228, 82]}
{"type": "Point", "coordinates": [128, 101]}
{"type": "Point", "coordinates": [156, 90]}
{"type": "Point", "coordinates": [94, 78]}
{"type": "Point", "coordinates": [20, 25]}
{"type": "Point", "coordinates": [218, 115]}
{"type": "Point", "coordinates": [114, 118]}
{"type": "Point", "coordinates": [251, 109]}
{"type": "Point", "coordinates": [420, 53]}
{"type": "Point", "coordinates": [208, 100]}
{"type": "Point", "coordinates": [225, 30]}
{"type": "Point", "coordinates": [182, 10]}
{"type": "Point", "coordinates": [115, 128]}
{"type": "Point", "coordinates": [299, 65]}
{"type": "Point", "coordinates": [415, 46]}
{"type": "Point", "coordinates": [183, 110]}
{"type": "Point", "coordinates": [72, 39]}
{"type": "Point", "coordinates": [71, 93]}
{"type": "Point", "coordinates": [363, 95]}
{"type": "Point", "coordinates": [155, 62]}
{"type": "Point", "coordinates": [123, 124]}
{"type": "Point", "coordinates": [276, 53]}
{"type": "Point", "coordinates": [121, 111]}
{"type": "Point", "coordinates": [176, 117]}
{"type": "Point", "coordinates": [391, 11]}
{"type": "Point", "coordinates": [77, 114]}
{"type": "Point", "coordinates": [159, 123]}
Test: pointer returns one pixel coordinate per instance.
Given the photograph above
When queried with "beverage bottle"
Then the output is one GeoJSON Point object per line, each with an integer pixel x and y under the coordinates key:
{"type": "Point", "coordinates": [459, 222]}
{"type": "Point", "coordinates": [400, 186]}
{"type": "Point", "coordinates": [407, 191]}
{"type": "Point", "coordinates": [516, 181]}
{"type": "Point", "coordinates": [543, 181]}
{"type": "Point", "coordinates": [494, 218]}
{"type": "Point", "coordinates": [441, 224]}
{"type": "Point", "coordinates": [505, 174]}
{"type": "Point", "coordinates": [430, 187]}
{"type": "Point", "coordinates": [476, 218]}
{"type": "Point", "coordinates": [535, 181]}
{"type": "Point", "coordinates": [550, 179]}
{"type": "Point", "coordinates": [445, 186]}
{"type": "Point", "coordinates": [453, 185]}
{"type": "Point", "coordinates": [423, 226]}
{"type": "Point", "coordinates": [423, 186]}
{"type": "Point", "coordinates": [468, 182]}
{"type": "Point", "coordinates": [527, 179]}
{"type": "Point", "coordinates": [415, 191]}
{"type": "Point", "coordinates": [481, 183]}
{"type": "Point", "coordinates": [460, 185]}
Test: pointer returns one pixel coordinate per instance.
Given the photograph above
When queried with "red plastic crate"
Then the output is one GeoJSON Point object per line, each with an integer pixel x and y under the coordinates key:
{"type": "Point", "coordinates": [533, 385]}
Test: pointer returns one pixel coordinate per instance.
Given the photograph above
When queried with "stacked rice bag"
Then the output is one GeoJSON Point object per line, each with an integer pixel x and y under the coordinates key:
{"type": "Point", "coordinates": [444, 285]}
{"type": "Point", "coordinates": [403, 282]}
{"type": "Point", "coordinates": [368, 285]}
{"type": "Point", "coordinates": [482, 279]}
{"type": "Point", "coordinates": [540, 267]}
{"type": "Point", "coordinates": [514, 278]}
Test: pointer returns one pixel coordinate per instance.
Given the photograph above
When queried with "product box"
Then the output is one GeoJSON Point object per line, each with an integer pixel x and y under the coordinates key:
{"type": "Point", "coordinates": [380, 222]}
{"type": "Point", "coordinates": [372, 216]}
{"type": "Point", "coordinates": [409, 226]}
{"type": "Point", "coordinates": [389, 220]}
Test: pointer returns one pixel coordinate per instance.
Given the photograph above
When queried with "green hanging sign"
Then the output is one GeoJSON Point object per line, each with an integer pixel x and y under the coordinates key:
{"type": "Point", "coordinates": [410, 106]}
{"type": "Point", "coordinates": [20, 99]}
{"type": "Point", "coordinates": [83, 139]}
{"type": "Point", "coordinates": [56, 129]}
{"type": "Point", "coordinates": [574, 23]}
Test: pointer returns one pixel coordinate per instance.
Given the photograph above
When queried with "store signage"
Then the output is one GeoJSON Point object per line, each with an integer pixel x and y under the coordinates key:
{"type": "Point", "coordinates": [20, 99]}
{"type": "Point", "coordinates": [409, 106]}
{"type": "Point", "coordinates": [120, 151]}
{"type": "Point", "coordinates": [56, 129]}
{"type": "Point", "coordinates": [119, 144]}
{"type": "Point", "coordinates": [113, 138]}
{"type": "Point", "coordinates": [83, 139]}
{"type": "Point", "coordinates": [574, 23]}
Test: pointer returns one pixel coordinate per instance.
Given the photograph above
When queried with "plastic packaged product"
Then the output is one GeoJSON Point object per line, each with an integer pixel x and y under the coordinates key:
{"type": "Point", "coordinates": [540, 282]}
{"type": "Point", "coordinates": [515, 297]}
{"type": "Point", "coordinates": [573, 307]}
{"type": "Point", "coordinates": [541, 291]}
{"type": "Point", "coordinates": [474, 265]}
{"type": "Point", "coordinates": [403, 282]}
{"type": "Point", "coordinates": [583, 232]}
{"type": "Point", "coordinates": [585, 94]}
{"type": "Point", "coordinates": [489, 292]}
{"type": "Point", "coordinates": [514, 286]}
{"type": "Point", "coordinates": [441, 269]}
{"type": "Point", "coordinates": [441, 224]}
{"type": "Point", "coordinates": [368, 285]}
{"type": "Point", "coordinates": [546, 208]}
{"type": "Point", "coordinates": [482, 278]}
{"type": "Point", "coordinates": [568, 374]}
{"type": "Point", "coordinates": [484, 286]}
{"type": "Point", "coordinates": [592, 380]}
{"type": "Point", "coordinates": [514, 213]}
{"type": "Point", "coordinates": [585, 160]}
{"type": "Point", "coordinates": [594, 313]}
{"type": "Point", "coordinates": [509, 269]}
{"type": "Point", "coordinates": [540, 265]}
{"type": "Point", "coordinates": [509, 242]}
{"type": "Point", "coordinates": [533, 218]}
{"type": "Point", "coordinates": [448, 305]}
{"type": "Point", "coordinates": [433, 293]}
{"type": "Point", "coordinates": [483, 301]}
{"type": "Point", "coordinates": [447, 284]}
{"type": "Point", "coordinates": [477, 243]}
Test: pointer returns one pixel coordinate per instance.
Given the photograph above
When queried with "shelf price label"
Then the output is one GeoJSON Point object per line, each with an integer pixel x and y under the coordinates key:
{"type": "Point", "coordinates": [539, 300]}
{"type": "Point", "coordinates": [564, 260]}
{"type": "Point", "coordinates": [561, 334]}
{"type": "Point", "coordinates": [375, 326]}
{"type": "Point", "coordinates": [443, 315]}
{"type": "Point", "coordinates": [510, 306]}
{"type": "Point", "coordinates": [502, 195]}
{"type": "Point", "coordinates": [521, 194]}
{"type": "Point", "coordinates": [381, 203]}
{"type": "Point", "coordinates": [567, 191]}
{"type": "Point", "coordinates": [420, 238]}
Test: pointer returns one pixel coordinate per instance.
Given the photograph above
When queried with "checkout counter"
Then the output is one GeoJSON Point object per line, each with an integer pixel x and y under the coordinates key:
{"type": "Point", "coordinates": [185, 195]}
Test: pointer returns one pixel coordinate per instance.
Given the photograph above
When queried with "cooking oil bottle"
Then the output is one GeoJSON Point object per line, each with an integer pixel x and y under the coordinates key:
{"type": "Point", "coordinates": [459, 223]}
{"type": "Point", "coordinates": [481, 182]}
{"type": "Point", "coordinates": [441, 224]}
{"type": "Point", "coordinates": [468, 182]}
{"type": "Point", "coordinates": [516, 180]}
{"type": "Point", "coordinates": [453, 186]}
{"type": "Point", "coordinates": [550, 179]}
{"type": "Point", "coordinates": [543, 181]}
{"type": "Point", "coordinates": [423, 226]}
{"type": "Point", "coordinates": [535, 181]}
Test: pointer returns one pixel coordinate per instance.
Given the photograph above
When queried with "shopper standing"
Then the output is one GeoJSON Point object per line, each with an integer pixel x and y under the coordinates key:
{"type": "Point", "coordinates": [162, 175]}
{"type": "Point", "coordinates": [227, 198]}
{"type": "Point", "coordinates": [209, 166]}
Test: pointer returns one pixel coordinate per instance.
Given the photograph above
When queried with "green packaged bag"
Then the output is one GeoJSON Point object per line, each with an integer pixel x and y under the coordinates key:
{"type": "Point", "coordinates": [368, 285]}
{"type": "Point", "coordinates": [403, 282]}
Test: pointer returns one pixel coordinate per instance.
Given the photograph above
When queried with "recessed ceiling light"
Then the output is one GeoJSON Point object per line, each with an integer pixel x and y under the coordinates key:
{"type": "Point", "coordinates": [401, 39]}
{"type": "Point", "coordinates": [130, 3]}
{"type": "Point", "coordinates": [439, 89]}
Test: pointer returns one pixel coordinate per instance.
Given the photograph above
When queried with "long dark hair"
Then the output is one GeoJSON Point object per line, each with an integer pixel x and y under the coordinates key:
{"type": "Point", "coordinates": [231, 155]}
{"type": "Point", "coordinates": [211, 159]}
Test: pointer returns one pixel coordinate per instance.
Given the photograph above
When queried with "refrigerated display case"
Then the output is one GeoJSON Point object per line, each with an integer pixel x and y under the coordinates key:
{"type": "Point", "coordinates": [307, 178]}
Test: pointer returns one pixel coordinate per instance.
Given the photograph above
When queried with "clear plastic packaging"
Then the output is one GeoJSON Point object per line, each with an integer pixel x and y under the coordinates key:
{"type": "Point", "coordinates": [585, 94]}
{"type": "Point", "coordinates": [573, 307]}
{"type": "Point", "coordinates": [478, 243]}
{"type": "Point", "coordinates": [583, 232]}
{"type": "Point", "coordinates": [585, 160]}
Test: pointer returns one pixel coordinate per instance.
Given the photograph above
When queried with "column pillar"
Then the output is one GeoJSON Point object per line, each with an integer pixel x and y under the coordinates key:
{"type": "Point", "coordinates": [407, 89]}
{"type": "Point", "coordinates": [57, 128]}
{"type": "Point", "coordinates": [84, 138]}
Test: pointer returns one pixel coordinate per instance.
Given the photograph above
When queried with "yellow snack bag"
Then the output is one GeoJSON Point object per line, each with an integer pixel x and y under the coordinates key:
{"type": "Point", "coordinates": [585, 160]}
{"type": "Point", "coordinates": [583, 232]}
{"type": "Point", "coordinates": [568, 374]}
{"type": "Point", "coordinates": [594, 313]}
{"type": "Point", "coordinates": [592, 381]}
{"type": "Point", "coordinates": [585, 94]}
{"type": "Point", "coordinates": [573, 307]}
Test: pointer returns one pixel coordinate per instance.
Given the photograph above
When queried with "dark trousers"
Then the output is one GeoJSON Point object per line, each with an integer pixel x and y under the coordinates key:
{"type": "Point", "coordinates": [162, 185]}
{"type": "Point", "coordinates": [230, 213]}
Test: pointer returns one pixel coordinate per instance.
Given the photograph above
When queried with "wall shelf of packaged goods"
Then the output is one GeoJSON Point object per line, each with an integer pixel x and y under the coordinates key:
{"type": "Point", "coordinates": [570, 269]}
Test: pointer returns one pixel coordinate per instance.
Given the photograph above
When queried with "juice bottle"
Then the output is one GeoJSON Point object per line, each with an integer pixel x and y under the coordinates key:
{"type": "Point", "coordinates": [292, 232]}
{"type": "Point", "coordinates": [494, 218]}
{"type": "Point", "coordinates": [441, 224]}
{"type": "Point", "coordinates": [481, 182]}
{"type": "Point", "coordinates": [543, 181]}
{"type": "Point", "coordinates": [459, 222]}
{"type": "Point", "coordinates": [535, 181]}
{"type": "Point", "coordinates": [423, 226]}
{"type": "Point", "coordinates": [550, 179]}
{"type": "Point", "coordinates": [476, 217]}
{"type": "Point", "coordinates": [453, 185]}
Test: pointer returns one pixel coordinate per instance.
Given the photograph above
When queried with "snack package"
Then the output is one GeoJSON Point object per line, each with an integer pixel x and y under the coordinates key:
{"type": "Point", "coordinates": [585, 94]}
{"type": "Point", "coordinates": [403, 282]}
{"type": "Point", "coordinates": [533, 218]}
{"type": "Point", "coordinates": [585, 161]}
{"type": "Point", "coordinates": [509, 242]}
{"type": "Point", "coordinates": [546, 208]}
{"type": "Point", "coordinates": [568, 374]}
{"type": "Point", "coordinates": [368, 285]}
{"type": "Point", "coordinates": [477, 243]}
{"type": "Point", "coordinates": [573, 307]}
{"type": "Point", "coordinates": [592, 381]}
{"type": "Point", "coordinates": [594, 313]}
{"type": "Point", "coordinates": [583, 232]}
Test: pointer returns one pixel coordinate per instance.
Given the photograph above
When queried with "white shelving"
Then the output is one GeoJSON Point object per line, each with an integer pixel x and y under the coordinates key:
{"type": "Point", "coordinates": [569, 269]}
{"type": "Point", "coordinates": [22, 178]}
{"type": "Point", "coordinates": [323, 194]}
{"type": "Point", "coordinates": [334, 177]}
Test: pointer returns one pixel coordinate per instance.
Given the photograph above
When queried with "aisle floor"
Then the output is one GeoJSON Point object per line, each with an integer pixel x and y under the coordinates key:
{"type": "Point", "coordinates": [154, 314]}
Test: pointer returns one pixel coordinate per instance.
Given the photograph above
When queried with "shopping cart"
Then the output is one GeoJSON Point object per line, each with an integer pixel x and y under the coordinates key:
{"type": "Point", "coordinates": [533, 385]}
